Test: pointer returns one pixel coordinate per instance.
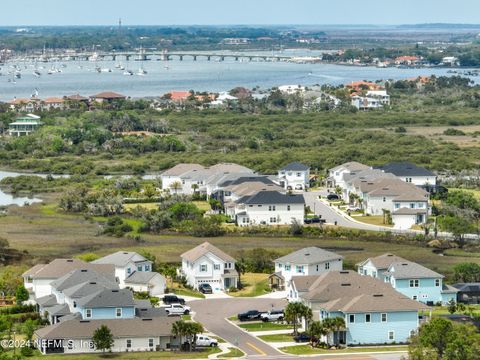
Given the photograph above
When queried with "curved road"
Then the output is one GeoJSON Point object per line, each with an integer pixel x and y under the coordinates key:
{"type": "Point", "coordinates": [212, 313]}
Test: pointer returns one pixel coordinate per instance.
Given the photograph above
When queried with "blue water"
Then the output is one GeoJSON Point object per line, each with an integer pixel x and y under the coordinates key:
{"type": "Point", "coordinates": [201, 75]}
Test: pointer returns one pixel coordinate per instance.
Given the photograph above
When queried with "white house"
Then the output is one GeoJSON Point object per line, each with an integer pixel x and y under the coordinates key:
{"type": "Point", "coordinates": [336, 174]}
{"type": "Point", "coordinates": [307, 261]}
{"type": "Point", "coordinates": [366, 102]}
{"type": "Point", "coordinates": [294, 176]}
{"type": "Point", "coordinates": [411, 173]}
{"type": "Point", "coordinates": [270, 208]}
{"type": "Point", "coordinates": [150, 282]}
{"type": "Point", "coordinates": [208, 264]}
{"type": "Point", "coordinates": [171, 178]}
{"type": "Point", "coordinates": [381, 95]}
{"type": "Point", "coordinates": [291, 89]}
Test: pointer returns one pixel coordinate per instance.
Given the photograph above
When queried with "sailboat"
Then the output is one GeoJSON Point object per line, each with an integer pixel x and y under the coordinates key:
{"type": "Point", "coordinates": [141, 72]}
{"type": "Point", "coordinates": [128, 73]}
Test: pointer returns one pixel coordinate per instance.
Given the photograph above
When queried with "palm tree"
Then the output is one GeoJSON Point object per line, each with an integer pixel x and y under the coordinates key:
{"type": "Point", "coordinates": [195, 188]}
{"type": "Point", "coordinates": [316, 330]}
{"type": "Point", "coordinates": [175, 186]}
{"type": "Point", "coordinates": [295, 312]}
{"type": "Point", "coordinates": [335, 324]}
{"type": "Point", "coordinates": [179, 328]}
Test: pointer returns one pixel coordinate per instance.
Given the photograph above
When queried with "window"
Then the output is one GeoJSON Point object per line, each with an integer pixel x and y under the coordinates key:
{"type": "Point", "coordinates": [414, 283]}
{"type": "Point", "coordinates": [412, 205]}
{"type": "Point", "coordinates": [150, 343]}
{"type": "Point", "coordinates": [288, 207]}
{"type": "Point", "coordinates": [317, 267]}
{"type": "Point", "coordinates": [129, 343]}
{"type": "Point", "coordinates": [203, 268]}
{"type": "Point", "coordinates": [300, 269]}
{"type": "Point", "coordinates": [391, 335]}
{"type": "Point", "coordinates": [216, 266]}
{"type": "Point", "coordinates": [129, 271]}
{"type": "Point", "coordinates": [414, 297]}
{"type": "Point", "coordinates": [271, 208]}
{"type": "Point", "coordinates": [384, 199]}
{"type": "Point", "coordinates": [299, 174]}
{"type": "Point", "coordinates": [327, 266]}
{"type": "Point", "coordinates": [351, 319]}
{"type": "Point", "coordinates": [287, 267]}
{"type": "Point", "coordinates": [374, 274]}
{"type": "Point", "coordinates": [139, 268]}
{"type": "Point", "coordinates": [147, 267]}
{"type": "Point", "coordinates": [437, 282]}
{"type": "Point", "coordinates": [273, 220]}
{"type": "Point", "coordinates": [118, 312]}
{"type": "Point", "coordinates": [368, 318]}
{"type": "Point", "coordinates": [88, 313]}
{"type": "Point", "coordinates": [280, 265]}
{"type": "Point", "coordinates": [384, 317]}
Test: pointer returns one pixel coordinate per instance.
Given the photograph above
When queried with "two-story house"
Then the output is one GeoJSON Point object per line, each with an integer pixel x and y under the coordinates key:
{"type": "Point", "coordinates": [374, 313]}
{"type": "Point", "coordinates": [270, 208]}
{"type": "Point", "coordinates": [411, 173]}
{"type": "Point", "coordinates": [294, 176]}
{"type": "Point", "coordinates": [208, 264]}
{"type": "Point", "coordinates": [419, 283]}
{"type": "Point", "coordinates": [107, 304]}
{"type": "Point", "coordinates": [336, 174]}
{"type": "Point", "coordinates": [307, 261]}
{"type": "Point", "coordinates": [135, 271]}
{"type": "Point", "coordinates": [409, 278]}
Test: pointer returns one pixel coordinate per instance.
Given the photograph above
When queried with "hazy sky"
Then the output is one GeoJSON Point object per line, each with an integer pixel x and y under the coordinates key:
{"type": "Point", "coordinates": [179, 12]}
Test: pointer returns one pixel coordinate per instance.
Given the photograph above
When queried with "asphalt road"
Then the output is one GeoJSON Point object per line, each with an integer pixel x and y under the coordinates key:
{"type": "Point", "coordinates": [213, 312]}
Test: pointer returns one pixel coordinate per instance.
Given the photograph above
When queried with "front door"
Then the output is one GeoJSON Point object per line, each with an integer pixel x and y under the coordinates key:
{"type": "Point", "coordinates": [227, 283]}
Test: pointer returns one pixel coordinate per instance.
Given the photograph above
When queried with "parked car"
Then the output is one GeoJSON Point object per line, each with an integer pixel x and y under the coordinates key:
{"type": "Point", "coordinates": [333, 197]}
{"type": "Point", "coordinates": [249, 315]}
{"type": "Point", "coordinates": [203, 340]}
{"type": "Point", "coordinates": [177, 309]}
{"type": "Point", "coordinates": [303, 337]}
{"type": "Point", "coordinates": [353, 208]}
{"type": "Point", "coordinates": [273, 315]}
{"type": "Point", "coordinates": [298, 187]}
{"type": "Point", "coordinates": [205, 288]}
{"type": "Point", "coordinates": [173, 299]}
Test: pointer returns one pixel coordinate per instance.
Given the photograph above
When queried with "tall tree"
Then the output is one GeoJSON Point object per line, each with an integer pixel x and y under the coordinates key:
{"type": "Point", "coordinates": [103, 338]}
{"type": "Point", "coordinates": [295, 312]}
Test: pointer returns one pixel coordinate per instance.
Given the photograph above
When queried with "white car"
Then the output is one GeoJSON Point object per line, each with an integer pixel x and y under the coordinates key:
{"type": "Point", "coordinates": [177, 309]}
{"type": "Point", "coordinates": [203, 340]}
{"type": "Point", "coordinates": [273, 315]}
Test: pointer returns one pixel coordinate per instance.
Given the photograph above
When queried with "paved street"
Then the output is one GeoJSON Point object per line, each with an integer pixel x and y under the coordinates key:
{"type": "Point", "coordinates": [212, 313]}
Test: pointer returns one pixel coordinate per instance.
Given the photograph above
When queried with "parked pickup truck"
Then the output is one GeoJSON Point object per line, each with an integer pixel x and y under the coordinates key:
{"type": "Point", "coordinates": [203, 340]}
{"type": "Point", "coordinates": [249, 315]}
{"type": "Point", "coordinates": [177, 309]}
{"type": "Point", "coordinates": [273, 315]}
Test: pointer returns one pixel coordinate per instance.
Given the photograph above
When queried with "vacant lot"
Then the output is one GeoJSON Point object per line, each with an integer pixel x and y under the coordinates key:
{"type": "Point", "coordinates": [46, 233]}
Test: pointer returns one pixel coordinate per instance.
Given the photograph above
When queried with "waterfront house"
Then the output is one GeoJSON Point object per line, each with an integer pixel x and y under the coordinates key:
{"type": "Point", "coordinates": [307, 261]}
{"type": "Point", "coordinates": [294, 176]}
{"type": "Point", "coordinates": [208, 264]}
{"type": "Point", "coordinates": [24, 125]}
{"type": "Point", "coordinates": [53, 103]}
{"type": "Point", "coordinates": [25, 105]}
{"type": "Point", "coordinates": [107, 97]}
{"type": "Point", "coordinates": [374, 313]}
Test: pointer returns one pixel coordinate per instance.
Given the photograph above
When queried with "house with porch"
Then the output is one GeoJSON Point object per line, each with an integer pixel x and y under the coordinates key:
{"type": "Point", "coordinates": [208, 264]}
{"type": "Point", "coordinates": [307, 261]}
{"type": "Point", "coordinates": [24, 125]}
{"type": "Point", "coordinates": [374, 313]}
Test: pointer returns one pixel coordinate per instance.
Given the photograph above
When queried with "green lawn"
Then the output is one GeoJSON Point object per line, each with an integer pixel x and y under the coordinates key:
{"type": "Point", "coordinates": [187, 317]}
{"type": "Point", "coordinates": [372, 220]}
{"type": "Point", "coordinates": [443, 310]}
{"type": "Point", "coordinates": [475, 192]}
{"type": "Point", "coordinates": [277, 338]}
{"type": "Point", "coordinates": [233, 353]}
{"type": "Point", "coordinates": [253, 285]}
{"type": "Point", "coordinates": [134, 355]}
{"type": "Point", "coordinates": [307, 350]}
{"type": "Point", "coordinates": [202, 205]}
{"type": "Point", "coordinates": [188, 292]}
{"type": "Point", "coordinates": [264, 326]}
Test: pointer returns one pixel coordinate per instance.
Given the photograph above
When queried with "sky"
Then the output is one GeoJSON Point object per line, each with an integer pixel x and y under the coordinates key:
{"type": "Point", "coordinates": [222, 12]}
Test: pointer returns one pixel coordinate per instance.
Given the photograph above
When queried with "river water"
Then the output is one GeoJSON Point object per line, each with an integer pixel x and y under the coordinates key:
{"type": "Point", "coordinates": [201, 75]}
{"type": "Point", "coordinates": [9, 199]}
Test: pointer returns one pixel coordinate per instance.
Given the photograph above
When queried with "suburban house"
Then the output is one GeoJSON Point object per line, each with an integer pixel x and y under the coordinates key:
{"type": "Point", "coordinates": [270, 208]}
{"type": "Point", "coordinates": [107, 97]}
{"type": "Point", "coordinates": [135, 271]}
{"type": "Point", "coordinates": [409, 278]}
{"type": "Point", "coordinates": [24, 125]}
{"type": "Point", "coordinates": [373, 311]}
{"type": "Point", "coordinates": [366, 102]}
{"type": "Point", "coordinates": [25, 105]}
{"type": "Point", "coordinates": [380, 95]}
{"type": "Point", "coordinates": [468, 293]}
{"type": "Point", "coordinates": [307, 261]}
{"type": "Point", "coordinates": [134, 334]}
{"type": "Point", "coordinates": [208, 264]}
{"type": "Point", "coordinates": [294, 176]}
{"type": "Point", "coordinates": [53, 103]}
{"type": "Point", "coordinates": [336, 174]}
{"type": "Point", "coordinates": [411, 173]}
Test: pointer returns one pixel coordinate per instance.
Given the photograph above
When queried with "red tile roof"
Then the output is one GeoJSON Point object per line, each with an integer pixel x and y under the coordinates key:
{"type": "Point", "coordinates": [179, 95]}
{"type": "Point", "coordinates": [108, 95]}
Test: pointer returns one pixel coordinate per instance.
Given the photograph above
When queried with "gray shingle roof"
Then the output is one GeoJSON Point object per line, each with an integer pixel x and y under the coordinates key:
{"type": "Point", "coordinates": [107, 298]}
{"type": "Point", "coordinates": [406, 169]}
{"type": "Point", "coordinates": [410, 270]}
{"type": "Point", "coordinates": [309, 255]}
{"type": "Point", "coordinates": [273, 197]}
{"type": "Point", "coordinates": [120, 258]}
{"type": "Point", "coordinates": [80, 276]}
{"type": "Point", "coordinates": [141, 277]}
{"type": "Point", "coordinates": [48, 300]}
{"type": "Point", "coordinates": [143, 312]}
{"type": "Point", "coordinates": [467, 287]}
{"type": "Point", "coordinates": [58, 310]}
{"type": "Point", "coordinates": [83, 329]}
{"type": "Point", "coordinates": [383, 262]}
{"type": "Point", "coordinates": [295, 166]}
{"type": "Point", "coordinates": [59, 267]}
{"type": "Point", "coordinates": [205, 248]}
{"type": "Point", "coordinates": [88, 288]}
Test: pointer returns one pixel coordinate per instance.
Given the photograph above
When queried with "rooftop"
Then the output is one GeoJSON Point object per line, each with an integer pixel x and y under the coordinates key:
{"type": "Point", "coordinates": [203, 249]}
{"type": "Point", "coordinates": [273, 197]}
{"type": "Point", "coordinates": [410, 270]}
{"type": "Point", "coordinates": [406, 169]}
{"type": "Point", "coordinates": [309, 255]}
{"type": "Point", "coordinates": [295, 166]}
{"type": "Point", "coordinates": [120, 258]}
{"type": "Point", "coordinates": [59, 267]}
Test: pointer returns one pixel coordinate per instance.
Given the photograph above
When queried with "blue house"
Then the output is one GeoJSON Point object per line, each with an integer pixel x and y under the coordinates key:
{"type": "Point", "coordinates": [374, 313]}
{"type": "Point", "coordinates": [107, 304]}
{"type": "Point", "coordinates": [409, 278]}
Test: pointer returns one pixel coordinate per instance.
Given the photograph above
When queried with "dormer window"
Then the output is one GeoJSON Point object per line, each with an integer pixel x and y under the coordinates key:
{"type": "Point", "coordinates": [88, 313]}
